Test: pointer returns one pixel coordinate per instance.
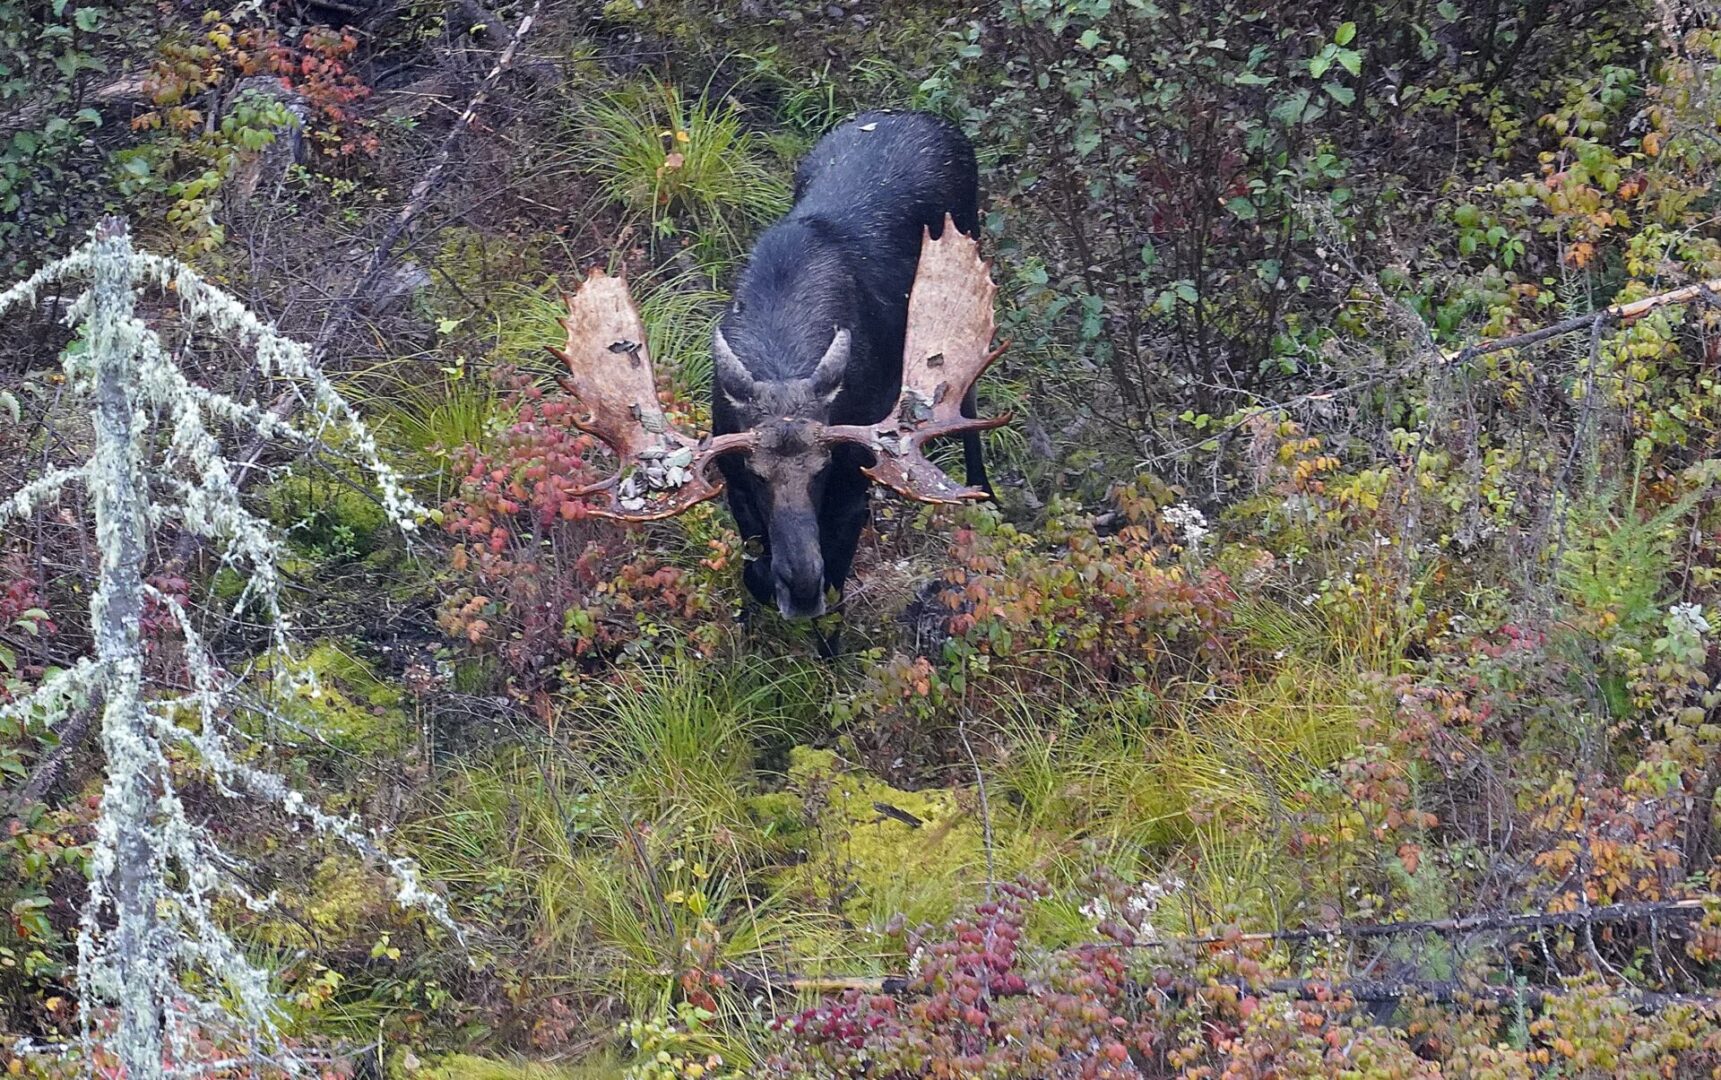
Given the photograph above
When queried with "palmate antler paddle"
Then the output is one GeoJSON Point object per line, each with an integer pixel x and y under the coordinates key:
{"type": "Point", "coordinates": [664, 471]}
{"type": "Point", "coordinates": [947, 347]}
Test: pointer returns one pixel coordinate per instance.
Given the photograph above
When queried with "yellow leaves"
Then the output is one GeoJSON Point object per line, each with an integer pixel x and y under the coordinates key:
{"type": "Point", "coordinates": [384, 948]}
{"type": "Point", "coordinates": [1652, 144]}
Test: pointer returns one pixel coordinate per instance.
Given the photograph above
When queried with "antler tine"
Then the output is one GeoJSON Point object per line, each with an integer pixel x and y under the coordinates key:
{"type": "Point", "coordinates": [948, 345]}
{"type": "Point", "coordinates": [663, 471]}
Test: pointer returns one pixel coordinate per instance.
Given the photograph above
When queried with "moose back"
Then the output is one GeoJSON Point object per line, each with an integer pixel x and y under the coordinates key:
{"type": "Point", "coordinates": [856, 332]}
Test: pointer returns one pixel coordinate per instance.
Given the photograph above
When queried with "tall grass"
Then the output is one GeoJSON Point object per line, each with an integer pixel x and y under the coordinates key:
{"type": "Point", "coordinates": [1141, 774]}
{"type": "Point", "coordinates": [680, 314]}
{"type": "Point", "coordinates": [687, 165]}
{"type": "Point", "coordinates": [676, 742]}
{"type": "Point", "coordinates": [625, 846]}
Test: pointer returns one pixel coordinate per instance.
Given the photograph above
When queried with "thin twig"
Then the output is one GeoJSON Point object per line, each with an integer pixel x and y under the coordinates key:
{"type": "Point", "coordinates": [417, 202]}
{"type": "Point", "coordinates": [1613, 313]}
{"type": "Point", "coordinates": [1595, 916]}
{"type": "Point", "coordinates": [428, 185]}
{"type": "Point", "coordinates": [1617, 313]}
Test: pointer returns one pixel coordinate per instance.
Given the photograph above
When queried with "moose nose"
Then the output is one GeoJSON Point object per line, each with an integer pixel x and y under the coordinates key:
{"type": "Point", "coordinates": [800, 595]}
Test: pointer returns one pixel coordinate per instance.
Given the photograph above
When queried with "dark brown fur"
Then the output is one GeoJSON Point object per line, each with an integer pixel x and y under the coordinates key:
{"type": "Point", "coordinates": [843, 259]}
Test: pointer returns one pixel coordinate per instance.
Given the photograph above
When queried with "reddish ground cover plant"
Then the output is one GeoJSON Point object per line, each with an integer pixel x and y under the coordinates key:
{"type": "Point", "coordinates": [1055, 614]}
{"type": "Point", "coordinates": [544, 583]}
{"type": "Point", "coordinates": [979, 1004]}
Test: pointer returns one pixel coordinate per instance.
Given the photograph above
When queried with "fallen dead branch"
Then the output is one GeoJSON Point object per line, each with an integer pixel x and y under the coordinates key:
{"type": "Point", "coordinates": [1540, 920]}
{"type": "Point", "coordinates": [1359, 990]}
{"type": "Point", "coordinates": [428, 184]}
{"type": "Point", "coordinates": [1593, 321]}
{"type": "Point", "coordinates": [1608, 316]}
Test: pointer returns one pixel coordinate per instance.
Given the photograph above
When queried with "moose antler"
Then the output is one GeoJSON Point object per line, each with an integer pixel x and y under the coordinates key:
{"type": "Point", "coordinates": [663, 471]}
{"type": "Point", "coordinates": [948, 345]}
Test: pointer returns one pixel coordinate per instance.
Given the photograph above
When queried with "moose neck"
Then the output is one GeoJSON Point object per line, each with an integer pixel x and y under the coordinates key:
{"type": "Point", "coordinates": [795, 292]}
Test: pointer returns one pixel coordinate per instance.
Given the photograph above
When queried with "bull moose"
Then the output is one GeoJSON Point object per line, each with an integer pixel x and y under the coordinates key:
{"type": "Point", "coordinates": [855, 335]}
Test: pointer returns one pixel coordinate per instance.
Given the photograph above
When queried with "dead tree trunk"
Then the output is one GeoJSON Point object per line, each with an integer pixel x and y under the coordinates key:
{"type": "Point", "coordinates": [117, 487]}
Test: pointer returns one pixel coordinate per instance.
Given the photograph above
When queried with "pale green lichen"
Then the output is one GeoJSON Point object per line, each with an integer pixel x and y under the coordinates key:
{"type": "Point", "coordinates": [155, 876]}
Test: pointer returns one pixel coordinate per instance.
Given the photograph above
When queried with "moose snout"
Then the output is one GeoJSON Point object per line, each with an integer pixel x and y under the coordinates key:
{"type": "Point", "coordinates": [800, 590]}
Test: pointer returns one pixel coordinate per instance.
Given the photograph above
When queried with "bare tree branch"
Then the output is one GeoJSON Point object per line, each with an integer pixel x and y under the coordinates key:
{"type": "Point", "coordinates": [1359, 989]}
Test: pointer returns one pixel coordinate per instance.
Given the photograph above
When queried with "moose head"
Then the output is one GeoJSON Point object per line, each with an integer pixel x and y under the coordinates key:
{"type": "Point", "coordinates": [664, 471]}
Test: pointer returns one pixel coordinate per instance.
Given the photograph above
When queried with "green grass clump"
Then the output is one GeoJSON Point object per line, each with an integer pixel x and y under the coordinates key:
{"type": "Point", "coordinates": [677, 741]}
{"type": "Point", "coordinates": [627, 845]}
{"type": "Point", "coordinates": [687, 165]}
{"type": "Point", "coordinates": [430, 422]}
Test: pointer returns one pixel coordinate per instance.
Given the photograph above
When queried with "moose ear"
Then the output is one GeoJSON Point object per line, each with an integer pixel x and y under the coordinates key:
{"type": "Point", "coordinates": [828, 376]}
{"type": "Point", "coordinates": [731, 376]}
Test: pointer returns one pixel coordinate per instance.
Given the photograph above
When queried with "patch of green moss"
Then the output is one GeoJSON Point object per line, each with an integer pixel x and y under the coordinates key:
{"type": "Point", "coordinates": [326, 518]}
{"type": "Point", "coordinates": [870, 862]}
{"type": "Point", "coordinates": [468, 1067]}
{"type": "Point", "coordinates": [779, 817]}
{"type": "Point", "coordinates": [341, 898]}
{"type": "Point", "coordinates": [475, 675]}
{"type": "Point", "coordinates": [227, 584]}
{"type": "Point", "coordinates": [351, 708]}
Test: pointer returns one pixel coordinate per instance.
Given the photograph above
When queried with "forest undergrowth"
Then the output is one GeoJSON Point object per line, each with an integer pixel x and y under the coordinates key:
{"type": "Point", "coordinates": [1331, 689]}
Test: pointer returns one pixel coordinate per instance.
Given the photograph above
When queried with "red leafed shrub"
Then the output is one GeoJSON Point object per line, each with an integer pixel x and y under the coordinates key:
{"type": "Point", "coordinates": [21, 602]}
{"type": "Point", "coordinates": [1042, 618]}
{"type": "Point", "coordinates": [979, 1004]}
{"type": "Point", "coordinates": [1112, 605]}
{"type": "Point", "coordinates": [545, 582]}
{"type": "Point", "coordinates": [314, 67]}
